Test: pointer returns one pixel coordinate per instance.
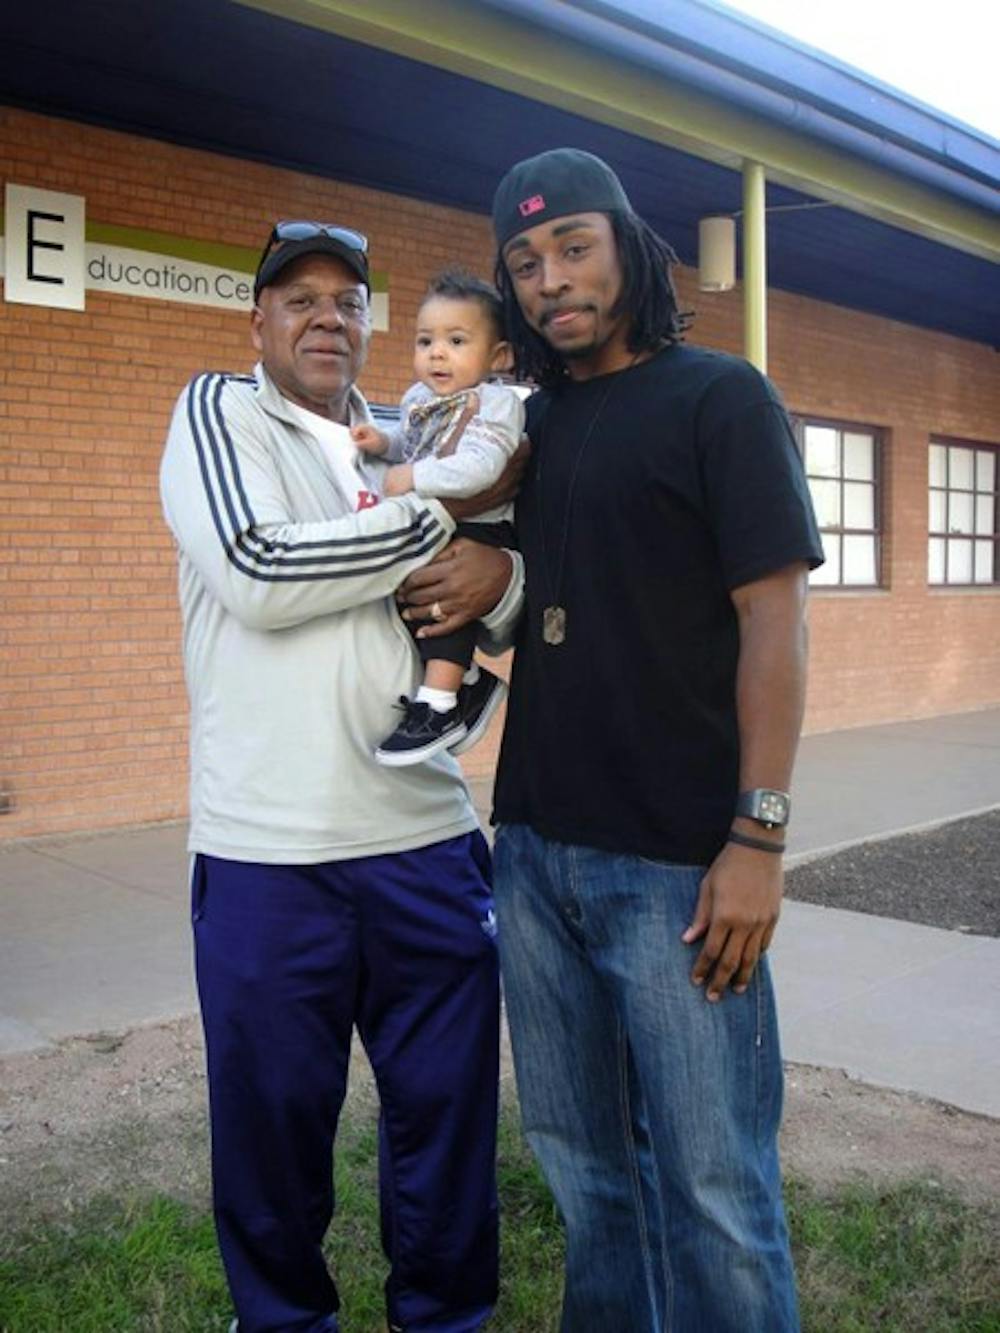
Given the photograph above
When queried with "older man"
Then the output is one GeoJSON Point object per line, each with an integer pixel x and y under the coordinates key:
{"type": "Point", "coordinates": [327, 892]}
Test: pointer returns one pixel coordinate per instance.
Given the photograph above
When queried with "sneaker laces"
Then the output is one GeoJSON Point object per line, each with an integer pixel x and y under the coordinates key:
{"type": "Point", "coordinates": [416, 713]}
{"type": "Point", "coordinates": [411, 707]}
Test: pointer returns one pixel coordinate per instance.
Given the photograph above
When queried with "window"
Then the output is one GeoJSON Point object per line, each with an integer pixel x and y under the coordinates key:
{"type": "Point", "coordinates": [964, 543]}
{"type": "Point", "coordinates": [842, 467]}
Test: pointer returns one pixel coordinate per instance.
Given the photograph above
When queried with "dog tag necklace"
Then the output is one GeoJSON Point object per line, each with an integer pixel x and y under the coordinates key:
{"type": "Point", "coordinates": [554, 615]}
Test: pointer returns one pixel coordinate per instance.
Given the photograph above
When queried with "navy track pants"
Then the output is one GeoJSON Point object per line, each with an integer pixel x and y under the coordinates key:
{"type": "Point", "coordinates": [288, 960]}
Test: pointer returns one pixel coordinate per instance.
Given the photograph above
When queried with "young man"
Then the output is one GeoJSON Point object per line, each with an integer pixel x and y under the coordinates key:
{"type": "Point", "coordinates": [327, 892]}
{"type": "Point", "coordinates": [641, 797]}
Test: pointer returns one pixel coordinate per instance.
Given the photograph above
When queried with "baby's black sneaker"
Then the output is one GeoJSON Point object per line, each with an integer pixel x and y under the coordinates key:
{"type": "Point", "coordinates": [421, 733]}
{"type": "Point", "coordinates": [476, 705]}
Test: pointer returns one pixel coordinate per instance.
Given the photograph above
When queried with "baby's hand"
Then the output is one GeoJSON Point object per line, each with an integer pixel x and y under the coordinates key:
{"type": "Point", "coordinates": [398, 480]}
{"type": "Point", "coordinates": [370, 439]}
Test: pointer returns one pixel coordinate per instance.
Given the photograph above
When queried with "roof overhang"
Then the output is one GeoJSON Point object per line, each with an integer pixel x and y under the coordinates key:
{"type": "Point", "coordinates": [573, 56]}
{"type": "Point", "coordinates": [435, 100]}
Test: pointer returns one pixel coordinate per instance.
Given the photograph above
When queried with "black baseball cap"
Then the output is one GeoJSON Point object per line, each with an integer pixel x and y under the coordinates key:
{"type": "Point", "coordinates": [291, 240]}
{"type": "Point", "coordinates": [551, 185]}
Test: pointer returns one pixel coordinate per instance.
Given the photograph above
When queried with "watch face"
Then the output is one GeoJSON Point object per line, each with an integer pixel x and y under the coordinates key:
{"type": "Point", "coordinates": [774, 806]}
{"type": "Point", "coordinates": [766, 805]}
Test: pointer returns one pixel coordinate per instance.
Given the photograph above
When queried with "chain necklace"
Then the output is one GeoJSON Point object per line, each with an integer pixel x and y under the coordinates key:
{"type": "Point", "coordinates": [554, 615]}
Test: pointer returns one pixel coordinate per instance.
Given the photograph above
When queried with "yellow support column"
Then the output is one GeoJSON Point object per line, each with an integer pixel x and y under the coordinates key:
{"type": "Point", "coordinates": [754, 266]}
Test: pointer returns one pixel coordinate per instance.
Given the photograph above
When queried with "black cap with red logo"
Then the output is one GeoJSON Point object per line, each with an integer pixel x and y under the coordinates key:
{"type": "Point", "coordinates": [553, 185]}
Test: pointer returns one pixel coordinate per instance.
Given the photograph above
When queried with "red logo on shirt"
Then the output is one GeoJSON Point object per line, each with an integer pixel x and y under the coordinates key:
{"type": "Point", "coordinates": [366, 499]}
{"type": "Point", "coordinates": [533, 205]}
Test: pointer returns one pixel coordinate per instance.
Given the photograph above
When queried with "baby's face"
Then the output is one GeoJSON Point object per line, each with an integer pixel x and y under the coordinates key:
{"type": "Point", "coordinates": [456, 345]}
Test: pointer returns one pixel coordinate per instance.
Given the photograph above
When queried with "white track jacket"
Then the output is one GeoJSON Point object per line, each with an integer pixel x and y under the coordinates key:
{"type": "Point", "coordinates": [294, 653]}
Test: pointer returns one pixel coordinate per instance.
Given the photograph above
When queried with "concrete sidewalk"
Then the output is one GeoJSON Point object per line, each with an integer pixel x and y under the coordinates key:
{"type": "Point", "coordinates": [94, 932]}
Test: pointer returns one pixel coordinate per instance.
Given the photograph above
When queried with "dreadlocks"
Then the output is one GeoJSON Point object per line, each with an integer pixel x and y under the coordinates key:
{"type": "Point", "coordinates": [648, 293]}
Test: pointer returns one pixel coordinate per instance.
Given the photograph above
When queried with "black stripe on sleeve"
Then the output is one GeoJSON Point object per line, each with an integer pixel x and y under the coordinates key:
{"type": "Point", "coordinates": [233, 518]}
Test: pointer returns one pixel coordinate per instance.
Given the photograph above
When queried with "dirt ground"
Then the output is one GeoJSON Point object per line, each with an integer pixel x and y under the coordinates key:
{"type": "Point", "coordinates": [116, 1116]}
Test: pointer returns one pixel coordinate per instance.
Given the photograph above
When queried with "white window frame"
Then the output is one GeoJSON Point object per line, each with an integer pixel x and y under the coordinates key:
{"type": "Point", "coordinates": [963, 521]}
{"type": "Point", "coordinates": [830, 577]}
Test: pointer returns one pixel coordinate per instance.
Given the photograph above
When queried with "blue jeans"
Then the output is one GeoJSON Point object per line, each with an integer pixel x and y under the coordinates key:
{"type": "Point", "coordinates": [653, 1113]}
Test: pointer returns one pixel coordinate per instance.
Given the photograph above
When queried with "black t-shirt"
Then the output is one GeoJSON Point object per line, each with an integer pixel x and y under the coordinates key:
{"type": "Point", "coordinates": [624, 736]}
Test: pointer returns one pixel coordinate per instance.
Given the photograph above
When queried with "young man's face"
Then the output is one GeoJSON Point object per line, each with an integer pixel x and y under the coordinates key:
{"type": "Point", "coordinates": [567, 278]}
{"type": "Point", "coordinates": [312, 327]}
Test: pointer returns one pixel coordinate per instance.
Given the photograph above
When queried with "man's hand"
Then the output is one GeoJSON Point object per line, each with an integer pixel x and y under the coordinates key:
{"type": "Point", "coordinates": [737, 912]}
{"type": "Point", "coordinates": [462, 583]}
{"type": "Point", "coordinates": [503, 490]}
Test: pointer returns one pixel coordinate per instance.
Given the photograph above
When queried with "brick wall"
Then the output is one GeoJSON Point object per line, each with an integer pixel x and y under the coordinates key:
{"type": "Point", "coordinates": [93, 714]}
{"type": "Point", "coordinates": [907, 650]}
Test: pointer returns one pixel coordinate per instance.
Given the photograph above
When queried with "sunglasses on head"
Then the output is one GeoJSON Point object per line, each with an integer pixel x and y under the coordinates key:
{"type": "Point", "coordinates": [302, 231]}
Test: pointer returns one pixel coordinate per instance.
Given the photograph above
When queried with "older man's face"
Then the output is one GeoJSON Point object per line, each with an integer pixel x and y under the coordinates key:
{"type": "Point", "coordinates": [312, 327]}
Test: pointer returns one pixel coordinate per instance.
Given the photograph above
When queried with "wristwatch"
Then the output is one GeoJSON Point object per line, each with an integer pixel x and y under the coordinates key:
{"type": "Point", "coordinates": [767, 807]}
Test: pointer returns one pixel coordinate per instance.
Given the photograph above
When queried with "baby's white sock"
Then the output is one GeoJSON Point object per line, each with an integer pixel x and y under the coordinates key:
{"type": "Point", "coordinates": [442, 701]}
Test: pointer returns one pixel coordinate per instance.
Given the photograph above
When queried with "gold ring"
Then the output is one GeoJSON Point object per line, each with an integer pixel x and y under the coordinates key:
{"type": "Point", "coordinates": [436, 612]}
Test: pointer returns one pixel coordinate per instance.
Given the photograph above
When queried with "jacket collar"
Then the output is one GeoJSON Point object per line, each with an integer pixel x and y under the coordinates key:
{"type": "Point", "coordinates": [273, 401]}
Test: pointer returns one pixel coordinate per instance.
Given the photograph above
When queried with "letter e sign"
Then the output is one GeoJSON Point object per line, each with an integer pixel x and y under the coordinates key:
{"type": "Point", "coordinates": [45, 244]}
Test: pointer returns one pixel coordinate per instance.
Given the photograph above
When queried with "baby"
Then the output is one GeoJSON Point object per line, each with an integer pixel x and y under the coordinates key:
{"type": "Point", "coordinates": [455, 436]}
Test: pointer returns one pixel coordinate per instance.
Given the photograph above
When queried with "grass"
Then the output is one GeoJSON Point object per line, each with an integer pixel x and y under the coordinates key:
{"type": "Point", "coordinates": [910, 1259]}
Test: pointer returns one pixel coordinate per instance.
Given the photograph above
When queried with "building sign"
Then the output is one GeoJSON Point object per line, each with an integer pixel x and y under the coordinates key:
{"type": "Point", "coordinates": [52, 256]}
{"type": "Point", "coordinates": [43, 247]}
{"type": "Point", "coordinates": [115, 268]}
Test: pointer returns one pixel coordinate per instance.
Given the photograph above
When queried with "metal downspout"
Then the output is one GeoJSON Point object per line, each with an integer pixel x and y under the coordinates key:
{"type": "Point", "coordinates": [754, 266]}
